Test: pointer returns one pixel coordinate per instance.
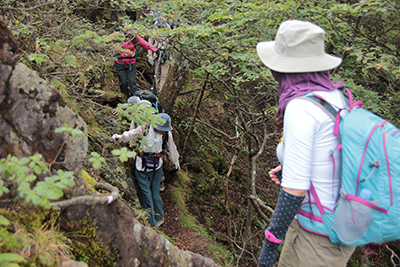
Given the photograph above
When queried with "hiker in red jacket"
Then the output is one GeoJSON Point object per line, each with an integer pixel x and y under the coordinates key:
{"type": "Point", "coordinates": [125, 62]}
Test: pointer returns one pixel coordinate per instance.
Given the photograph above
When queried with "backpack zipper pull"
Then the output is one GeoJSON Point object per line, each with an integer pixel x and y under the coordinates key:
{"type": "Point", "coordinates": [373, 164]}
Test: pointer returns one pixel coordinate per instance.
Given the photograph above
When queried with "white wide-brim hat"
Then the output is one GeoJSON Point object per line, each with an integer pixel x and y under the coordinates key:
{"type": "Point", "coordinates": [298, 47]}
{"type": "Point", "coordinates": [144, 103]}
{"type": "Point", "coordinates": [133, 100]}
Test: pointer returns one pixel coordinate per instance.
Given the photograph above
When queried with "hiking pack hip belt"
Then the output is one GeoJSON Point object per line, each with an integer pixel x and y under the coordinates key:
{"type": "Point", "coordinates": [150, 160]}
{"type": "Point", "coordinates": [147, 154]}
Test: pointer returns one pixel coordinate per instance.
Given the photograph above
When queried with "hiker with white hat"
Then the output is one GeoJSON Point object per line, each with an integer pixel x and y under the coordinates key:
{"type": "Point", "coordinates": [299, 63]}
{"type": "Point", "coordinates": [148, 165]}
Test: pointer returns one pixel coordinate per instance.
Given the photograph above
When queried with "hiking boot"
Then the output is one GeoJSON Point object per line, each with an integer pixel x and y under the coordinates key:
{"type": "Point", "coordinates": [162, 186]}
{"type": "Point", "coordinates": [159, 223]}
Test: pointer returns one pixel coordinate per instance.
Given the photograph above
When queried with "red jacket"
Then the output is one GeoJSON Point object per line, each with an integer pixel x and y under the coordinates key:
{"type": "Point", "coordinates": [129, 57]}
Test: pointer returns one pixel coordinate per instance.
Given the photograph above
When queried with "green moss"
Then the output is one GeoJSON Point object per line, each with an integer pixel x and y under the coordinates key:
{"type": "Point", "coordinates": [32, 217]}
{"type": "Point", "coordinates": [179, 191]}
{"type": "Point", "coordinates": [87, 245]}
{"type": "Point", "coordinates": [144, 253]}
{"type": "Point", "coordinates": [166, 237]}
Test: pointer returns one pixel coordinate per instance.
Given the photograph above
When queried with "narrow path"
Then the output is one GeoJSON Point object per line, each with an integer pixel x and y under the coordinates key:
{"type": "Point", "coordinates": [183, 238]}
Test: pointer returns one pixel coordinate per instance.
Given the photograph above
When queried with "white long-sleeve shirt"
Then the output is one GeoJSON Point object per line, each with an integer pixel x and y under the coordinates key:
{"type": "Point", "coordinates": [308, 141]}
{"type": "Point", "coordinates": [152, 143]}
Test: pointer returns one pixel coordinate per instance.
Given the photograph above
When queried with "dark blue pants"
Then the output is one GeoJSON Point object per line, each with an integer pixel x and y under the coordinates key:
{"type": "Point", "coordinates": [126, 73]}
{"type": "Point", "coordinates": [149, 184]}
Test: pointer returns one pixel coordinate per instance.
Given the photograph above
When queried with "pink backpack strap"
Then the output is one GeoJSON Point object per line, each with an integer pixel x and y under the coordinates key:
{"type": "Point", "coordinates": [395, 132]}
{"type": "Point", "coordinates": [316, 199]}
{"type": "Point", "coordinates": [358, 103]}
{"type": "Point", "coordinates": [350, 198]}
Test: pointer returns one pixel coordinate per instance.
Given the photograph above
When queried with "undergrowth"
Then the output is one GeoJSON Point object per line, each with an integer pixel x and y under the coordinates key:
{"type": "Point", "coordinates": [33, 233]}
{"type": "Point", "coordinates": [179, 193]}
{"type": "Point", "coordinates": [87, 246]}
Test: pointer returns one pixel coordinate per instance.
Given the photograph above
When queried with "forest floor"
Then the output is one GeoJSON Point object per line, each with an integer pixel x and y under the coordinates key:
{"type": "Point", "coordinates": [188, 238]}
{"type": "Point", "coordinates": [184, 238]}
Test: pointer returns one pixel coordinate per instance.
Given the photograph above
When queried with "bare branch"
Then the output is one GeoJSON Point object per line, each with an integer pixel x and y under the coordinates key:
{"type": "Point", "coordinates": [90, 200]}
{"type": "Point", "coordinates": [393, 257]}
{"type": "Point", "coordinates": [261, 203]}
{"type": "Point", "coordinates": [215, 129]}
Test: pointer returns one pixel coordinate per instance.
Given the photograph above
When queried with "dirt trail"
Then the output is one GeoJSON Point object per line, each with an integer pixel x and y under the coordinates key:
{"type": "Point", "coordinates": [183, 238]}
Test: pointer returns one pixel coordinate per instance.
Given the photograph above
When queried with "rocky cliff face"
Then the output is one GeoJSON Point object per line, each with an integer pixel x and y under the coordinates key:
{"type": "Point", "coordinates": [137, 245]}
{"type": "Point", "coordinates": [30, 112]}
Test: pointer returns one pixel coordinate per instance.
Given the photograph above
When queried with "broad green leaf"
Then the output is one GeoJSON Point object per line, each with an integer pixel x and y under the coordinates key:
{"type": "Point", "coordinates": [97, 164]}
{"type": "Point", "coordinates": [3, 220]}
{"type": "Point", "coordinates": [76, 132]}
{"type": "Point", "coordinates": [131, 154]}
{"type": "Point", "coordinates": [54, 193]}
{"type": "Point", "coordinates": [37, 170]}
{"type": "Point", "coordinates": [30, 178]}
{"type": "Point", "coordinates": [24, 161]}
{"type": "Point", "coordinates": [51, 180]}
{"type": "Point", "coordinates": [11, 257]}
{"type": "Point", "coordinates": [60, 130]}
{"type": "Point", "coordinates": [62, 174]}
{"type": "Point", "coordinates": [36, 200]}
{"type": "Point", "coordinates": [123, 158]}
{"type": "Point", "coordinates": [116, 152]}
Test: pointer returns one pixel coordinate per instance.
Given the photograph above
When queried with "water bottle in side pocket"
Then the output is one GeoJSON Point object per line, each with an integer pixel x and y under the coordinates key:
{"type": "Point", "coordinates": [352, 218]}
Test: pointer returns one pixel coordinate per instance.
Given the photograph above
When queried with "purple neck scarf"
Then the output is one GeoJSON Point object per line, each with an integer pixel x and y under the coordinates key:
{"type": "Point", "coordinates": [292, 85]}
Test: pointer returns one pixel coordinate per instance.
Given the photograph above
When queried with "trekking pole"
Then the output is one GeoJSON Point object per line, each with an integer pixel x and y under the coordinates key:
{"type": "Point", "coordinates": [155, 73]}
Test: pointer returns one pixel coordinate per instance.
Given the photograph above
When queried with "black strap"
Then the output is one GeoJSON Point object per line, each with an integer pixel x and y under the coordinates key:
{"type": "Point", "coordinates": [164, 142]}
{"type": "Point", "coordinates": [134, 44]}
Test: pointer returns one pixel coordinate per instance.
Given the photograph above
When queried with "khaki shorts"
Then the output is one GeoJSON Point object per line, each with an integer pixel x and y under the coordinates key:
{"type": "Point", "coordinates": [304, 249]}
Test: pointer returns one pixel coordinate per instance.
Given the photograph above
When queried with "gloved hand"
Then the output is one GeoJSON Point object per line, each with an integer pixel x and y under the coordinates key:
{"type": "Point", "coordinates": [151, 61]}
{"type": "Point", "coordinates": [116, 136]}
{"type": "Point", "coordinates": [177, 166]}
{"type": "Point", "coordinates": [158, 52]}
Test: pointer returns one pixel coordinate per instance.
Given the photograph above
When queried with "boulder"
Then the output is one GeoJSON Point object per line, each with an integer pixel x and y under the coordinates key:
{"type": "Point", "coordinates": [138, 245]}
{"type": "Point", "coordinates": [31, 112]}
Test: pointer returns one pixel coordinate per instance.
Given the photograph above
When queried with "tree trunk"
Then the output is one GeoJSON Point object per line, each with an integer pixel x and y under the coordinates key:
{"type": "Point", "coordinates": [196, 112]}
{"type": "Point", "coordinates": [175, 82]}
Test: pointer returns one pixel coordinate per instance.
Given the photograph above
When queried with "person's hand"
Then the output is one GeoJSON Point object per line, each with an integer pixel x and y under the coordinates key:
{"type": "Point", "coordinates": [177, 166]}
{"type": "Point", "coordinates": [273, 174]}
{"type": "Point", "coordinates": [116, 136]}
{"type": "Point", "coordinates": [158, 52]}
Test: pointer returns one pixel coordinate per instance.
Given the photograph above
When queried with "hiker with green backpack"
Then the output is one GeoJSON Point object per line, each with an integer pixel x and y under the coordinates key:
{"type": "Point", "coordinates": [125, 62]}
{"type": "Point", "coordinates": [299, 63]}
{"type": "Point", "coordinates": [153, 142]}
